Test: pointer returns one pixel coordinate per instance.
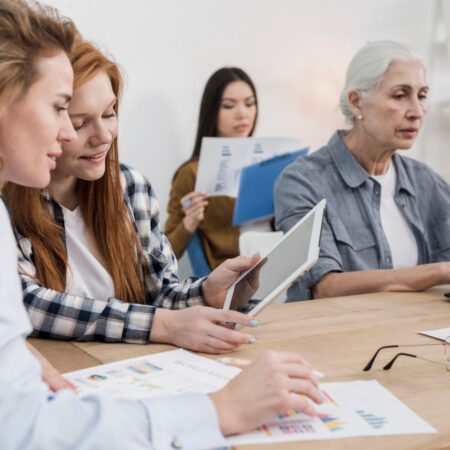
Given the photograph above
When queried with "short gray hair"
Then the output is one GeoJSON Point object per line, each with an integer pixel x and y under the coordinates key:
{"type": "Point", "coordinates": [368, 67]}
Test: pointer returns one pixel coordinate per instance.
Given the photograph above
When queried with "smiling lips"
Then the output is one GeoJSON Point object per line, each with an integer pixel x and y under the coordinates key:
{"type": "Point", "coordinates": [53, 157]}
{"type": "Point", "coordinates": [95, 158]}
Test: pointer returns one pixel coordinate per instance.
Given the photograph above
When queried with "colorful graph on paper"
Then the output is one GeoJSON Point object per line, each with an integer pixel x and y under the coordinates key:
{"type": "Point", "coordinates": [356, 408]}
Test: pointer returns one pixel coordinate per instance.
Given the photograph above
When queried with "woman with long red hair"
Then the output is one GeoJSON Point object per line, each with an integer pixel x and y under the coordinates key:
{"type": "Point", "coordinates": [93, 261]}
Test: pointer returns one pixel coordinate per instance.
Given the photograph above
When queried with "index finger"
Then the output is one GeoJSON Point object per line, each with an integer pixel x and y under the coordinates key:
{"type": "Point", "coordinates": [192, 195]}
{"type": "Point", "coordinates": [227, 315]}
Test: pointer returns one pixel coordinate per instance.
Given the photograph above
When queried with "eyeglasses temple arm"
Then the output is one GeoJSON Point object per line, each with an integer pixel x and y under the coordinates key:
{"type": "Point", "coordinates": [391, 363]}
{"type": "Point", "coordinates": [370, 363]}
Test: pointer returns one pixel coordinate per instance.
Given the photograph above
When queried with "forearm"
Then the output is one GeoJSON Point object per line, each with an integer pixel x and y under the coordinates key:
{"type": "Point", "coordinates": [178, 237]}
{"type": "Point", "coordinates": [59, 315]}
{"type": "Point", "coordinates": [417, 278]}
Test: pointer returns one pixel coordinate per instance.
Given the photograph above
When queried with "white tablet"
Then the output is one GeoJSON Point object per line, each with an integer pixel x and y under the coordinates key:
{"type": "Point", "coordinates": [280, 267]}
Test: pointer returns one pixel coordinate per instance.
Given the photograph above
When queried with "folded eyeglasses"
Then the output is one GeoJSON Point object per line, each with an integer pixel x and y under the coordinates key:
{"type": "Point", "coordinates": [445, 362]}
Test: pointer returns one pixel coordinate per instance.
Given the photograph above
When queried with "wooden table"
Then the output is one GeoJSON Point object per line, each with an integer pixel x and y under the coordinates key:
{"type": "Point", "coordinates": [338, 336]}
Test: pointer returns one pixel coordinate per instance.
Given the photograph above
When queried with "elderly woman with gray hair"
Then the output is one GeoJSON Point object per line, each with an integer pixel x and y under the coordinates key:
{"type": "Point", "coordinates": [387, 224]}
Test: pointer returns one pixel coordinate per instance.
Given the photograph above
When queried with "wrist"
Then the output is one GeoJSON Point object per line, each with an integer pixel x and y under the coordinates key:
{"type": "Point", "coordinates": [161, 326]}
{"type": "Point", "coordinates": [189, 226]}
{"type": "Point", "coordinates": [207, 293]}
{"type": "Point", "coordinates": [224, 415]}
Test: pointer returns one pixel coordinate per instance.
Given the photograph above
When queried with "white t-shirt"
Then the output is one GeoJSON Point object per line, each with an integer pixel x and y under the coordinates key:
{"type": "Point", "coordinates": [86, 276]}
{"type": "Point", "coordinates": [398, 233]}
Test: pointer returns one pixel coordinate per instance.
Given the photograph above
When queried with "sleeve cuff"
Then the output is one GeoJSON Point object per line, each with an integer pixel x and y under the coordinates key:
{"type": "Point", "coordinates": [184, 421]}
{"type": "Point", "coordinates": [323, 267]}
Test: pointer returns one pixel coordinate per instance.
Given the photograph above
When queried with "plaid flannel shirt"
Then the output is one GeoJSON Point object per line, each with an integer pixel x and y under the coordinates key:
{"type": "Point", "coordinates": [62, 315]}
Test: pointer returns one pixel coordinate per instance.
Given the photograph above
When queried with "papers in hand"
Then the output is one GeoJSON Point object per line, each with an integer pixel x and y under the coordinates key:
{"type": "Point", "coordinates": [221, 160]}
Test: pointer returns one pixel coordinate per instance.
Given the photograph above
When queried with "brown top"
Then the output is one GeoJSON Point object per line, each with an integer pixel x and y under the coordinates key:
{"type": "Point", "coordinates": [220, 240]}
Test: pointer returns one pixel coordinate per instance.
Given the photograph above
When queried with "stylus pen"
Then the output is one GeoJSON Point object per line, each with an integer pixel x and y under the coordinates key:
{"type": "Point", "coordinates": [245, 362]}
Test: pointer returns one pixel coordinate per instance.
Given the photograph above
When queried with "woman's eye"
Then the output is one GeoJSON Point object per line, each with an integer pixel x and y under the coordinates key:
{"type": "Point", "coordinates": [399, 96]}
{"type": "Point", "coordinates": [422, 96]}
{"type": "Point", "coordinates": [78, 127]}
{"type": "Point", "coordinates": [60, 108]}
{"type": "Point", "coordinates": [109, 116]}
{"type": "Point", "coordinates": [249, 105]}
{"type": "Point", "coordinates": [227, 106]}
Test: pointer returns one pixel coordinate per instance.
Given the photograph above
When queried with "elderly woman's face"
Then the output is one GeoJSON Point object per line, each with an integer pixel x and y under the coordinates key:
{"type": "Point", "coordinates": [393, 115]}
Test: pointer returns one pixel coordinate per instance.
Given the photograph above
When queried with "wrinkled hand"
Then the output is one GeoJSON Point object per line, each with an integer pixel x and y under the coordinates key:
{"type": "Point", "coordinates": [193, 205]}
{"type": "Point", "coordinates": [200, 328]}
{"type": "Point", "coordinates": [50, 375]}
{"type": "Point", "coordinates": [219, 280]}
{"type": "Point", "coordinates": [263, 390]}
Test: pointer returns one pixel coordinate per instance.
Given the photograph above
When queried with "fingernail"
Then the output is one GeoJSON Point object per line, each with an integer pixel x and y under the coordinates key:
{"type": "Point", "coordinates": [254, 323]}
{"type": "Point", "coordinates": [255, 255]}
{"type": "Point", "coordinates": [252, 340]}
{"type": "Point", "coordinates": [187, 203]}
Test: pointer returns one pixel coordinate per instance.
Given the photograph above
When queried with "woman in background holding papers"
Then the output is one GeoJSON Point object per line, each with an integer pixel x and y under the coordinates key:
{"type": "Point", "coordinates": [93, 261]}
{"type": "Point", "coordinates": [229, 108]}
{"type": "Point", "coordinates": [387, 223]}
{"type": "Point", "coordinates": [35, 90]}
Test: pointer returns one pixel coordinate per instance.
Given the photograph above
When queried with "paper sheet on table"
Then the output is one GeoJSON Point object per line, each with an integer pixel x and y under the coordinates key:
{"type": "Point", "coordinates": [167, 373]}
{"type": "Point", "coordinates": [441, 333]}
{"type": "Point", "coordinates": [355, 408]}
{"type": "Point", "coordinates": [221, 160]}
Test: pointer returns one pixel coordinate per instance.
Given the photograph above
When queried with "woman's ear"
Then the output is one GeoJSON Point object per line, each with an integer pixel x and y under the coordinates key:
{"type": "Point", "coordinates": [355, 102]}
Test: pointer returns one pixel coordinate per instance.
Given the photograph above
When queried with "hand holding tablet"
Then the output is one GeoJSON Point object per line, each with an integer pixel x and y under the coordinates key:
{"type": "Point", "coordinates": [287, 261]}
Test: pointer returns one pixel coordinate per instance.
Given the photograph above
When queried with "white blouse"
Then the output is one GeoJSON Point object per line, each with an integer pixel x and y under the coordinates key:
{"type": "Point", "coordinates": [86, 276]}
{"type": "Point", "coordinates": [398, 233]}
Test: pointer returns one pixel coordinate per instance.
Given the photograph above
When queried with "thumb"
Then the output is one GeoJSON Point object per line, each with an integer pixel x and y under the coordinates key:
{"type": "Point", "coordinates": [242, 263]}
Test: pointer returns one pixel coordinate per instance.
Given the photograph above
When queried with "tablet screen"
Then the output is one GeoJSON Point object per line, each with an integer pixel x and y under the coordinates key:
{"type": "Point", "coordinates": [274, 269]}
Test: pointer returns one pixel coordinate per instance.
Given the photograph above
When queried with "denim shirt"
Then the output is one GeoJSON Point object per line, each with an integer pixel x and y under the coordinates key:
{"type": "Point", "coordinates": [352, 236]}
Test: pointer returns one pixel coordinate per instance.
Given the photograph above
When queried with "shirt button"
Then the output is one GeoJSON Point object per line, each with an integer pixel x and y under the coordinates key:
{"type": "Point", "coordinates": [388, 259]}
{"type": "Point", "coordinates": [176, 443]}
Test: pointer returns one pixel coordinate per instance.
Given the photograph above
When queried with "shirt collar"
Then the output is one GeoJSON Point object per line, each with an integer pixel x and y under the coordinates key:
{"type": "Point", "coordinates": [348, 167]}
{"type": "Point", "coordinates": [403, 181]}
{"type": "Point", "coordinates": [353, 173]}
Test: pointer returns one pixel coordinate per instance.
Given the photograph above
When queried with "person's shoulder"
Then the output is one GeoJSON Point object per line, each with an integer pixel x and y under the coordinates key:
{"type": "Point", "coordinates": [308, 165]}
{"type": "Point", "coordinates": [187, 170]}
{"type": "Point", "coordinates": [417, 169]}
{"type": "Point", "coordinates": [132, 179]}
{"type": "Point", "coordinates": [186, 174]}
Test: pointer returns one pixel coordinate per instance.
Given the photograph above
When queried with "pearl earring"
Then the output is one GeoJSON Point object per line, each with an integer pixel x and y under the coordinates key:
{"type": "Point", "coordinates": [360, 117]}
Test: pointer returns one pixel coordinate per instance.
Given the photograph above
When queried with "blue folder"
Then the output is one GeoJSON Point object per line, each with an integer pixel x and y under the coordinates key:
{"type": "Point", "coordinates": [255, 195]}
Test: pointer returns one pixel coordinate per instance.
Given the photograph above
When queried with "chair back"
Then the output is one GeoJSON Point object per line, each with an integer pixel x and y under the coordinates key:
{"type": "Point", "coordinates": [197, 257]}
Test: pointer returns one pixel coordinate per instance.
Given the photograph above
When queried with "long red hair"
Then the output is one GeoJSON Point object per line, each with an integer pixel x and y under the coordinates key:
{"type": "Point", "coordinates": [101, 203]}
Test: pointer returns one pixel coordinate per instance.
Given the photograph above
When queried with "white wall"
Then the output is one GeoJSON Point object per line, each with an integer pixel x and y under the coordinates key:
{"type": "Point", "coordinates": [296, 51]}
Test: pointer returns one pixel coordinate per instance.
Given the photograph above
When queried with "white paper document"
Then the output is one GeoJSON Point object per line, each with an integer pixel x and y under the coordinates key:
{"type": "Point", "coordinates": [221, 160]}
{"type": "Point", "coordinates": [355, 408]}
{"type": "Point", "coordinates": [167, 373]}
{"type": "Point", "coordinates": [441, 334]}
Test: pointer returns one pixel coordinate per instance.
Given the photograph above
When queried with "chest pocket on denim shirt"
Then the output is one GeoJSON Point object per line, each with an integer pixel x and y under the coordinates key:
{"type": "Point", "coordinates": [356, 245]}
